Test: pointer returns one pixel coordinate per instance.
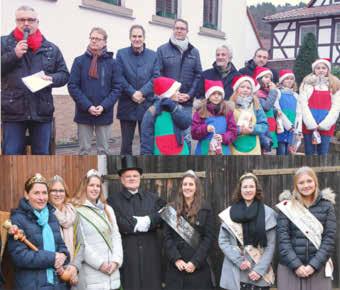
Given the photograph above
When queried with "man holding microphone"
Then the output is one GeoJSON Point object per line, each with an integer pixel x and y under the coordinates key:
{"type": "Point", "coordinates": [24, 52]}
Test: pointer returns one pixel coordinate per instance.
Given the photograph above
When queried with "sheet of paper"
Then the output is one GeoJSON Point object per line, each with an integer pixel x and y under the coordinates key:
{"type": "Point", "coordinates": [35, 83]}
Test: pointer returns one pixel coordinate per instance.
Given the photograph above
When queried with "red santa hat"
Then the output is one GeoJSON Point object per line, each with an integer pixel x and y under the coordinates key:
{"type": "Point", "coordinates": [326, 61]}
{"type": "Point", "coordinates": [285, 73]}
{"type": "Point", "coordinates": [212, 87]}
{"type": "Point", "coordinates": [165, 87]}
{"type": "Point", "coordinates": [238, 80]}
{"type": "Point", "coordinates": [261, 71]}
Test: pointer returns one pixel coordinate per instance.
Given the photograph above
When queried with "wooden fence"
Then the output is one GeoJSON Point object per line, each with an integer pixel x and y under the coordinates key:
{"type": "Point", "coordinates": [220, 175]}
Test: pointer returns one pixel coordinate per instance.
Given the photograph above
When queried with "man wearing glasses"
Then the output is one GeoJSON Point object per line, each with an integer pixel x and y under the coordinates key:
{"type": "Point", "coordinates": [180, 60]}
{"type": "Point", "coordinates": [95, 87]}
{"type": "Point", "coordinates": [25, 51]}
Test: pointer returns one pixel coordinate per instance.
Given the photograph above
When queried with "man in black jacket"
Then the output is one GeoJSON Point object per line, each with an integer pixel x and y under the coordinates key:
{"type": "Point", "coordinates": [24, 52]}
{"type": "Point", "coordinates": [138, 219]}
{"type": "Point", "coordinates": [180, 60]}
{"type": "Point", "coordinates": [222, 69]}
{"type": "Point", "coordinates": [260, 58]}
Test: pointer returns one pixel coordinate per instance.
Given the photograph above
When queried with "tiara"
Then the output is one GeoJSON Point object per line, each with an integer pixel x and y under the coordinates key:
{"type": "Point", "coordinates": [37, 178]}
{"type": "Point", "coordinates": [93, 172]}
{"type": "Point", "coordinates": [248, 174]}
{"type": "Point", "coordinates": [190, 172]}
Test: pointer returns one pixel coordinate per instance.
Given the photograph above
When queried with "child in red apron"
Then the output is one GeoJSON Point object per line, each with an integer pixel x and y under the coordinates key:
{"type": "Point", "coordinates": [320, 102]}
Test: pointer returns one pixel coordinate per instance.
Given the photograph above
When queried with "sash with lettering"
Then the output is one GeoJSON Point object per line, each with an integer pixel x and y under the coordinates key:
{"type": "Point", "coordinates": [308, 224]}
{"type": "Point", "coordinates": [254, 253]}
{"type": "Point", "coordinates": [185, 230]}
{"type": "Point", "coordinates": [99, 222]}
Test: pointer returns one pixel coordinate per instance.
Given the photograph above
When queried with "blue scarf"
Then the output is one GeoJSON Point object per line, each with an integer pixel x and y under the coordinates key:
{"type": "Point", "coordinates": [48, 238]}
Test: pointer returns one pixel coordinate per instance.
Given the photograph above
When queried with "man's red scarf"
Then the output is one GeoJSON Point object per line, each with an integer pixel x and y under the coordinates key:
{"type": "Point", "coordinates": [34, 40]}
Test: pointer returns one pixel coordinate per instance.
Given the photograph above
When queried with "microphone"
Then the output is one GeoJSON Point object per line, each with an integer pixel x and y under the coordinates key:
{"type": "Point", "coordinates": [26, 32]}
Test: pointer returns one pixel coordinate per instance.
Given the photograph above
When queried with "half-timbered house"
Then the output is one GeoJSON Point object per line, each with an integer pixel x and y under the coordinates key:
{"type": "Point", "coordinates": [321, 17]}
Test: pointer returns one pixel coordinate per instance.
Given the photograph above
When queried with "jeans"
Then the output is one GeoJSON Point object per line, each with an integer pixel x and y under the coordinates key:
{"type": "Point", "coordinates": [14, 137]}
{"type": "Point", "coordinates": [282, 148]}
{"type": "Point", "coordinates": [127, 129]}
{"type": "Point", "coordinates": [319, 149]}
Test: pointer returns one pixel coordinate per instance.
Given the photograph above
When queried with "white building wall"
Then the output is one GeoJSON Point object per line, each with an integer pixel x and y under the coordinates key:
{"type": "Point", "coordinates": [67, 25]}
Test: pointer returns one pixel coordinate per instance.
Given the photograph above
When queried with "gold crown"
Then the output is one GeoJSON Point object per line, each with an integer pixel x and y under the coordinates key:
{"type": "Point", "coordinates": [248, 174]}
{"type": "Point", "coordinates": [37, 178]}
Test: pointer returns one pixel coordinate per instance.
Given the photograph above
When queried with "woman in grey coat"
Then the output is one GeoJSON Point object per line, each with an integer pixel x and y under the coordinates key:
{"type": "Point", "coordinates": [247, 238]}
{"type": "Point", "coordinates": [306, 230]}
{"type": "Point", "coordinates": [98, 252]}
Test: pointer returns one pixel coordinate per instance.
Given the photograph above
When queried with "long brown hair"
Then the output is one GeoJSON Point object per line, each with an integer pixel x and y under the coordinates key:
{"type": "Point", "coordinates": [204, 113]}
{"type": "Point", "coordinates": [237, 196]}
{"type": "Point", "coordinates": [180, 204]}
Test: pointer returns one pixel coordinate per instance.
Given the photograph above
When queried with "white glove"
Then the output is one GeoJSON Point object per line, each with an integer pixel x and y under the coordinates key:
{"type": "Point", "coordinates": [143, 223]}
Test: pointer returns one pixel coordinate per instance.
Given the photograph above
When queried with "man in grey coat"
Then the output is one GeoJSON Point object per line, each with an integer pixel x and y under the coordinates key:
{"type": "Point", "coordinates": [180, 60]}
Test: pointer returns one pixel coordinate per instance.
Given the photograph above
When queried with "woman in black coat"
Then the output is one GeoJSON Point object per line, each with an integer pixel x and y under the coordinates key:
{"type": "Point", "coordinates": [306, 231]}
{"type": "Point", "coordinates": [37, 270]}
{"type": "Point", "coordinates": [187, 265]}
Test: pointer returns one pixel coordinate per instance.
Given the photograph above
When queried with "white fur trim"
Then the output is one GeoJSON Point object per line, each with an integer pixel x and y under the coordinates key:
{"type": "Point", "coordinates": [171, 91]}
{"type": "Point", "coordinates": [333, 113]}
{"type": "Point", "coordinates": [285, 195]}
{"type": "Point", "coordinates": [212, 90]}
{"type": "Point", "coordinates": [261, 74]}
{"type": "Point", "coordinates": [243, 79]}
{"type": "Point", "coordinates": [281, 79]}
{"type": "Point", "coordinates": [327, 63]}
{"type": "Point", "coordinates": [328, 194]}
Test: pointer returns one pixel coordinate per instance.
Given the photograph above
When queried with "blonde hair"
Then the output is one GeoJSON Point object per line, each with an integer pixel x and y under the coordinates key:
{"type": "Point", "coordinates": [256, 101]}
{"type": "Point", "coordinates": [310, 172]}
{"type": "Point", "coordinates": [54, 180]}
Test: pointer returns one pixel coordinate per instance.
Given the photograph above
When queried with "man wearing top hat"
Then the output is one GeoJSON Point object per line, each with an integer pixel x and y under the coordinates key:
{"type": "Point", "coordinates": [138, 219]}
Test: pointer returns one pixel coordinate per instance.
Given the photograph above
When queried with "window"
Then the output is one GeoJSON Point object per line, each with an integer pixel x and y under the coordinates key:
{"type": "Point", "coordinates": [114, 2]}
{"type": "Point", "coordinates": [305, 29]}
{"type": "Point", "coordinates": [337, 32]}
{"type": "Point", "coordinates": [166, 8]}
{"type": "Point", "coordinates": [210, 14]}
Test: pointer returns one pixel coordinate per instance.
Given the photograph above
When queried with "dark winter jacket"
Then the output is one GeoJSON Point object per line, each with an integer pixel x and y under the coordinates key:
{"type": "Point", "coordinates": [185, 68]}
{"type": "Point", "coordinates": [180, 119]}
{"type": "Point", "coordinates": [87, 92]}
{"type": "Point", "coordinates": [250, 67]}
{"type": "Point", "coordinates": [18, 103]}
{"type": "Point", "coordinates": [295, 249]}
{"type": "Point", "coordinates": [141, 264]}
{"type": "Point", "coordinates": [138, 72]}
{"type": "Point", "coordinates": [30, 266]}
{"type": "Point", "coordinates": [214, 74]}
{"type": "Point", "coordinates": [2, 280]}
{"type": "Point", "coordinates": [176, 248]}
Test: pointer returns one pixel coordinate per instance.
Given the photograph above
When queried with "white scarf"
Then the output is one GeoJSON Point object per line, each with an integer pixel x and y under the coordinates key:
{"type": "Point", "coordinates": [182, 45]}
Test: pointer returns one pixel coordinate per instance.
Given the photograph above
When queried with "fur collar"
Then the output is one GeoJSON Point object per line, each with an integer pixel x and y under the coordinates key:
{"type": "Point", "coordinates": [327, 194]}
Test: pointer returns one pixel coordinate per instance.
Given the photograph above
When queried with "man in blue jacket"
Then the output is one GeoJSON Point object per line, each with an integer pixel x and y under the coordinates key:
{"type": "Point", "coordinates": [95, 87]}
{"type": "Point", "coordinates": [138, 66]}
{"type": "Point", "coordinates": [180, 60]}
{"type": "Point", "coordinates": [25, 51]}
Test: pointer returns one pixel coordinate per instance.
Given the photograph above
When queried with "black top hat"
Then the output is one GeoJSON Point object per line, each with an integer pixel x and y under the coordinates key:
{"type": "Point", "coordinates": [129, 162]}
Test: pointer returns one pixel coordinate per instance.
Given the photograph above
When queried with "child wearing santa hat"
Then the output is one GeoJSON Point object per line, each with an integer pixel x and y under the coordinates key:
{"type": "Point", "coordinates": [163, 123]}
{"type": "Point", "coordinates": [320, 103]}
{"type": "Point", "coordinates": [267, 95]}
{"type": "Point", "coordinates": [214, 121]}
{"type": "Point", "coordinates": [289, 112]}
{"type": "Point", "coordinates": [250, 118]}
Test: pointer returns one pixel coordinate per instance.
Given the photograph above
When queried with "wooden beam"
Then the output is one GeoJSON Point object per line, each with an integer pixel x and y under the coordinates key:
{"type": "Point", "coordinates": [201, 174]}
{"type": "Point", "coordinates": [284, 171]}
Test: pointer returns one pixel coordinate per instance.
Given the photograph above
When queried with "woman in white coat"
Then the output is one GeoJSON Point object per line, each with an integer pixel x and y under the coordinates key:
{"type": "Point", "coordinates": [98, 252]}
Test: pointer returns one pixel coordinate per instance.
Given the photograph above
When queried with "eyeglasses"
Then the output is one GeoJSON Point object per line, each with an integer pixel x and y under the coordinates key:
{"type": "Point", "coordinates": [55, 191]}
{"type": "Point", "coordinates": [180, 28]}
{"type": "Point", "coordinates": [29, 20]}
{"type": "Point", "coordinates": [96, 39]}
